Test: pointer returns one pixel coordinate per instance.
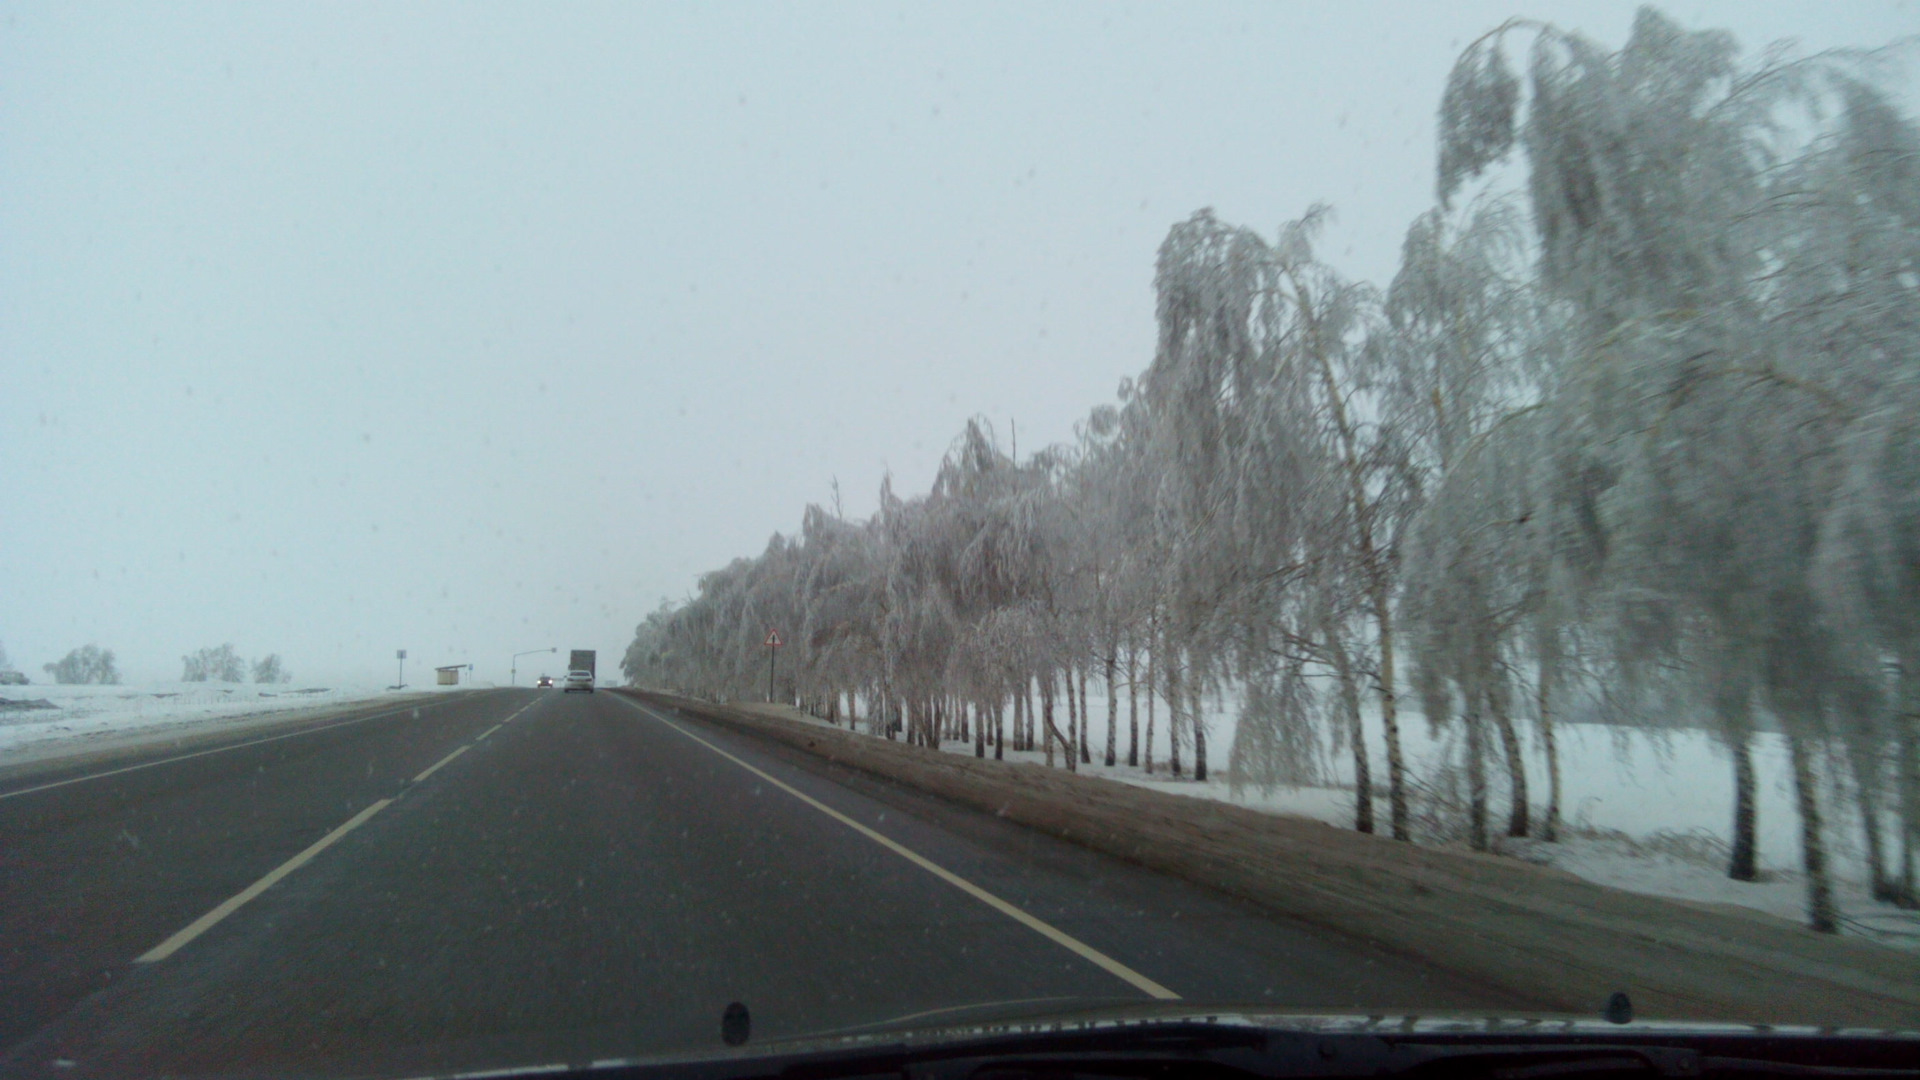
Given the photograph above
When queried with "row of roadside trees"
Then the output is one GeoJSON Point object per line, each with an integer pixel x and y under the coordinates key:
{"type": "Point", "coordinates": [1635, 425]}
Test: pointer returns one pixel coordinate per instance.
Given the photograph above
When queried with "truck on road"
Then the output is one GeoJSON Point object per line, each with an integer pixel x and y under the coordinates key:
{"type": "Point", "coordinates": [580, 671]}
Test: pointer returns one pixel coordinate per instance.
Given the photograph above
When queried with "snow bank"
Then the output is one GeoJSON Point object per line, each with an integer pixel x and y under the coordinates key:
{"type": "Point", "coordinates": [1647, 811]}
{"type": "Point", "coordinates": [81, 718]}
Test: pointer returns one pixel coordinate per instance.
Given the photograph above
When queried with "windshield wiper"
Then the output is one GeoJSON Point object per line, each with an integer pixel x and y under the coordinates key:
{"type": "Point", "coordinates": [1538, 1061]}
{"type": "Point", "coordinates": [1231, 1052]}
{"type": "Point", "coordinates": [1232, 1048]}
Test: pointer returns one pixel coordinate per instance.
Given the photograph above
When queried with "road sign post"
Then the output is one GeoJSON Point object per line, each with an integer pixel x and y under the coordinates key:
{"type": "Point", "coordinates": [401, 655]}
{"type": "Point", "coordinates": [773, 643]}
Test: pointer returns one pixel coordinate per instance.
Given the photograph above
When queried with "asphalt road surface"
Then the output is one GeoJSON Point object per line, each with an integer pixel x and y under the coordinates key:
{"type": "Point", "coordinates": [519, 877]}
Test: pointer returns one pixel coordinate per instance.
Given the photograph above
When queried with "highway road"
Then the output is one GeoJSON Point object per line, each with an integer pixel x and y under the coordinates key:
{"type": "Point", "coordinates": [517, 876]}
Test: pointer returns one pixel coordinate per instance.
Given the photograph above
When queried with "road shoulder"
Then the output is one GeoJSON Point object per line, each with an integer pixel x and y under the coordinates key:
{"type": "Point", "coordinates": [1534, 932]}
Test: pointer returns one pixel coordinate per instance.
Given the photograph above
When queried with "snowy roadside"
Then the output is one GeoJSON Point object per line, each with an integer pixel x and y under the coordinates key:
{"type": "Point", "coordinates": [43, 723]}
{"type": "Point", "coordinates": [1687, 862]}
{"type": "Point", "coordinates": [1548, 937]}
{"type": "Point", "coordinates": [1643, 807]}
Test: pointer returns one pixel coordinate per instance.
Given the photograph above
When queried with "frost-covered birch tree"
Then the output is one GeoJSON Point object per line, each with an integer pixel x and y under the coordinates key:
{"type": "Point", "coordinates": [1638, 407]}
{"type": "Point", "coordinates": [1701, 423]}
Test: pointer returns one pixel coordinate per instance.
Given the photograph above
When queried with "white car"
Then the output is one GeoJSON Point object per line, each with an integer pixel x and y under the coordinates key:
{"type": "Point", "coordinates": [579, 680]}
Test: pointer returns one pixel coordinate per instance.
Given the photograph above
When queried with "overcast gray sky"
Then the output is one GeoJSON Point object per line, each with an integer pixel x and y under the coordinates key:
{"type": "Point", "coordinates": [332, 329]}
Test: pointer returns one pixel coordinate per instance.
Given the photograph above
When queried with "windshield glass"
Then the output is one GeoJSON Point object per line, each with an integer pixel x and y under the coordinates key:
{"type": "Point", "coordinates": [540, 534]}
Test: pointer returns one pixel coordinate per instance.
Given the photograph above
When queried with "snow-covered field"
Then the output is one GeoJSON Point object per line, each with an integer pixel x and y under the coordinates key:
{"type": "Point", "coordinates": [1645, 811]}
{"type": "Point", "coordinates": [82, 718]}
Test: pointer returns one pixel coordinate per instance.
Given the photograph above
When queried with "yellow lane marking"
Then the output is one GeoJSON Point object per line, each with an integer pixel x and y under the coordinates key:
{"type": "Point", "coordinates": [1044, 929]}
{"type": "Point", "coordinates": [491, 730]}
{"type": "Point", "coordinates": [435, 767]}
{"type": "Point", "coordinates": [205, 922]}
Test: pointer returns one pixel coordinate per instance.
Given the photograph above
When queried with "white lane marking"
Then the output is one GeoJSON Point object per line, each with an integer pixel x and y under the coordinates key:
{"type": "Point", "coordinates": [1044, 929]}
{"type": "Point", "coordinates": [511, 719]}
{"type": "Point", "coordinates": [215, 750]}
{"type": "Point", "coordinates": [491, 730]}
{"type": "Point", "coordinates": [435, 767]}
{"type": "Point", "coordinates": [205, 922]}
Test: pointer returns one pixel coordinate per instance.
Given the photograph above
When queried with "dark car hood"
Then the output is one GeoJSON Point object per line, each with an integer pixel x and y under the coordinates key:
{"type": "Point", "coordinates": [1123, 1024]}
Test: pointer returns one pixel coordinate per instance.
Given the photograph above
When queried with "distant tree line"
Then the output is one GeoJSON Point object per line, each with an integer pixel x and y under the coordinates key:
{"type": "Point", "coordinates": [86, 664]}
{"type": "Point", "coordinates": [224, 664]}
{"type": "Point", "coordinates": [90, 664]}
{"type": "Point", "coordinates": [1636, 423]}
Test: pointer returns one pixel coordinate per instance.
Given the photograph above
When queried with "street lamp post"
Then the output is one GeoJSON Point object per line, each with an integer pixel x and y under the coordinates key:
{"type": "Point", "coordinates": [513, 671]}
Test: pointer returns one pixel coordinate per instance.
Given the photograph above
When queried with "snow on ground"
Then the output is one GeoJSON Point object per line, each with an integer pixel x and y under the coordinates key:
{"type": "Point", "coordinates": [1647, 811]}
{"type": "Point", "coordinates": [81, 718]}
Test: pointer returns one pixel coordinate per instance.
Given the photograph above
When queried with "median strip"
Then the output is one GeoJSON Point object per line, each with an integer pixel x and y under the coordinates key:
{"type": "Point", "coordinates": [1044, 929]}
{"type": "Point", "coordinates": [206, 922]}
{"type": "Point", "coordinates": [216, 750]}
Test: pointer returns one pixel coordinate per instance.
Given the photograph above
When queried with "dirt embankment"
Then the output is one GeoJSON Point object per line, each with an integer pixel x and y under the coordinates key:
{"type": "Point", "coordinates": [1538, 933]}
